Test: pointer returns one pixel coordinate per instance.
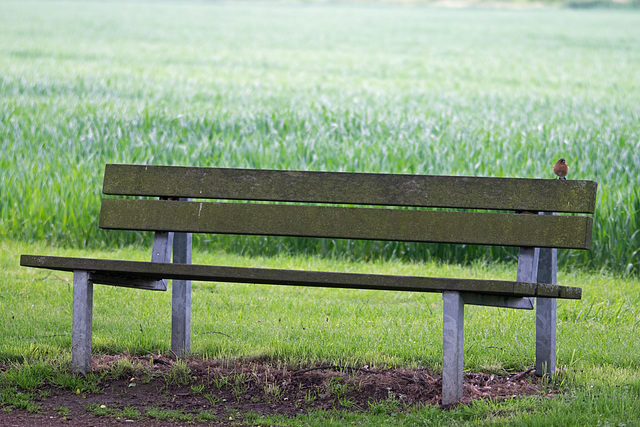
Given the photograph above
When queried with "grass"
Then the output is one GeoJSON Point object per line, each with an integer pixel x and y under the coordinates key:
{"type": "Point", "coordinates": [125, 413]}
{"type": "Point", "coordinates": [305, 325]}
{"type": "Point", "coordinates": [370, 88]}
{"type": "Point", "coordinates": [598, 361]}
{"type": "Point", "coordinates": [163, 414]}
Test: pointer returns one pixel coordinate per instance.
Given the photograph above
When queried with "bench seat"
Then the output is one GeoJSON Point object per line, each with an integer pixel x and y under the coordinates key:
{"type": "Point", "coordinates": [114, 271]}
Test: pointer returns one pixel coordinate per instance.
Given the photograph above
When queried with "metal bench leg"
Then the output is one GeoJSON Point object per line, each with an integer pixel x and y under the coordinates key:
{"type": "Point", "coordinates": [546, 316]}
{"type": "Point", "coordinates": [82, 320]}
{"type": "Point", "coordinates": [181, 298]}
{"type": "Point", "coordinates": [452, 347]}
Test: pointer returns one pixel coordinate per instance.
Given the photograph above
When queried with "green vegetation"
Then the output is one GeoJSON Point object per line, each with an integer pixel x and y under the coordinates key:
{"type": "Point", "coordinates": [368, 89]}
{"type": "Point", "coordinates": [163, 414]}
{"type": "Point", "coordinates": [307, 326]}
{"type": "Point", "coordinates": [104, 411]}
{"type": "Point", "coordinates": [598, 359]}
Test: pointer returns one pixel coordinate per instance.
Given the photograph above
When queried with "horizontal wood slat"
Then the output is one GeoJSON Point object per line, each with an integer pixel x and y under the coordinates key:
{"type": "Point", "coordinates": [549, 195]}
{"type": "Point", "coordinates": [348, 223]}
{"type": "Point", "coordinates": [150, 270]}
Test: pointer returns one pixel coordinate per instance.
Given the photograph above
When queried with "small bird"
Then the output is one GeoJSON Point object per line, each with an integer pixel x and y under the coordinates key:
{"type": "Point", "coordinates": [561, 168]}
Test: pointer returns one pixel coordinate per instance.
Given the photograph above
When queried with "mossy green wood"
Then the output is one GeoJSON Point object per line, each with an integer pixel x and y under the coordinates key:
{"type": "Point", "coordinates": [352, 188]}
{"type": "Point", "coordinates": [348, 223]}
{"type": "Point", "coordinates": [110, 270]}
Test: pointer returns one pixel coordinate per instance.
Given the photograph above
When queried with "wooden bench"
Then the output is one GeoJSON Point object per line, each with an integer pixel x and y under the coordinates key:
{"type": "Point", "coordinates": [312, 204]}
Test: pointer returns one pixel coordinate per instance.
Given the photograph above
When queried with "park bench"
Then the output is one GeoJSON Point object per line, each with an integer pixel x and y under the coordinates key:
{"type": "Point", "coordinates": [390, 207]}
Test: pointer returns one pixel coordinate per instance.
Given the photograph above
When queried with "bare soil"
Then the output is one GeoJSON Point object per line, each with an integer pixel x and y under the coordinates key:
{"type": "Point", "coordinates": [227, 393]}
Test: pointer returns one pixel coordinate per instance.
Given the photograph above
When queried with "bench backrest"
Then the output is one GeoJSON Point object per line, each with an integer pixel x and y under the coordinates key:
{"type": "Point", "coordinates": [242, 189]}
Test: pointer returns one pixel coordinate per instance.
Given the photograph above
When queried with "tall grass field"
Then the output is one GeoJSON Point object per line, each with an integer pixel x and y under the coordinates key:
{"type": "Point", "coordinates": [333, 87]}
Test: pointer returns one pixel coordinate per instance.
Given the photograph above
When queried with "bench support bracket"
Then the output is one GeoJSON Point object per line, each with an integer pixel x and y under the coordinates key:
{"type": "Point", "coordinates": [82, 321]}
{"type": "Point", "coordinates": [161, 252]}
{"type": "Point", "coordinates": [180, 244]}
{"type": "Point", "coordinates": [524, 303]}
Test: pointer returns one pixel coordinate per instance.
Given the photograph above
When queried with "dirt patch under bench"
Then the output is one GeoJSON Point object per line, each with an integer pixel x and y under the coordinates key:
{"type": "Point", "coordinates": [157, 391]}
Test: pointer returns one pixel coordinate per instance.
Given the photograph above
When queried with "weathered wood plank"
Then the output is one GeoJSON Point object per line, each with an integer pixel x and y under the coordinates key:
{"type": "Point", "coordinates": [298, 277]}
{"type": "Point", "coordinates": [352, 188]}
{"type": "Point", "coordinates": [573, 232]}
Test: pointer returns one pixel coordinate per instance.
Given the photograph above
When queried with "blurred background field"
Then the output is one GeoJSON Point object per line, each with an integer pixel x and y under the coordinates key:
{"type": "Point", "coordinates": [358, 87]}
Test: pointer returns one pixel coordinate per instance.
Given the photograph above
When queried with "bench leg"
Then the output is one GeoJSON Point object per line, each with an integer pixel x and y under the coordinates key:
{"type": "Point", "coordinates": [82, 320]}
{"type": "Point", "coordinates": [452, 347]}
{"type": "Point", "coordinates": [546, 316]}
{"type": "Point", "coordinates": [181, 298]}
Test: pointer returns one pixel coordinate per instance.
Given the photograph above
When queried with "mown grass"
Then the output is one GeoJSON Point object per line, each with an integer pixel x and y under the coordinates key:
{"type": "Point", "coordinates": [320, 87]}
{"type": "Point", "coordinates": [598, 359]}
{"type": "Point", "coordinates": [305, 325]}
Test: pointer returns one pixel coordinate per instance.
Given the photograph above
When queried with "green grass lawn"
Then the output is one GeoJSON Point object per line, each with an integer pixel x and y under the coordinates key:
{"type": "Point", "coordinates": [314, 325]}
{"type": "Point", "coordinates": [598, 355]}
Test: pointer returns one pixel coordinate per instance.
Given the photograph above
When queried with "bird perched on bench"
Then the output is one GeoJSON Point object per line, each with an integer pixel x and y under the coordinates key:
{"type": "Point", "coordinates": [561, 168]}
